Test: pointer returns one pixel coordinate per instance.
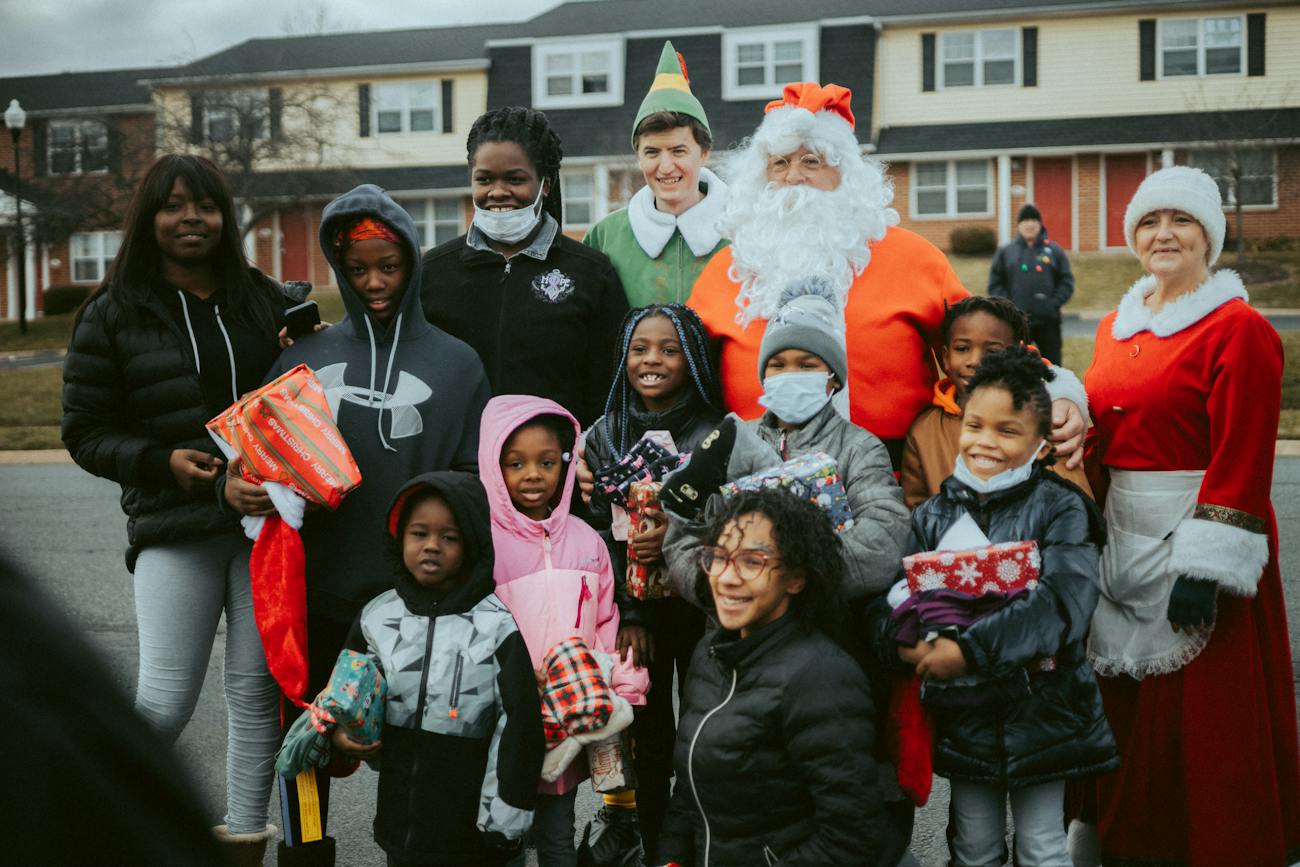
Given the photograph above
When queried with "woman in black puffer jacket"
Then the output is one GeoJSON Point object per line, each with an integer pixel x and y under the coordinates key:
{"type": "Point", "coordinates": [178, 331]}
{"type": "Point", "coordinates": [774, 749]}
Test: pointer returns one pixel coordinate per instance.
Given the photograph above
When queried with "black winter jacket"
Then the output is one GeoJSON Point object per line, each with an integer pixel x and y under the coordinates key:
{"type": "Point", "coordinates": [1036, 277]}
{"type": "Point", "coordinates": [463, 743]}
{"type": "Point", "coordinates": [132, 394]}
{"type": "Point", "coordinates": [689, 422]}
{"type": "Point", "coordinates": [543, 326]}
{"type": "Point", "coordinates": [1059, 730]}
{"type": "Point", "coordinates": [773, 757]}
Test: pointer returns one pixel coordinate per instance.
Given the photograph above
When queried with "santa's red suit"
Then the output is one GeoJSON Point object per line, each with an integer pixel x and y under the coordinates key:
{"type": "Point", "coordinates": [1186, 404]}
{"type": "Point", "coordinates": [892, 323]}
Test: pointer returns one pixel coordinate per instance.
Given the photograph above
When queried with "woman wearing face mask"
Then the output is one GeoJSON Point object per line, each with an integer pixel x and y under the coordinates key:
{"type": "Point", "coordinates": [1190, 635]}
{"type": "Point", "coordinates": [802, 364]}
{"type": "Point", "coordinates": [541, 309]}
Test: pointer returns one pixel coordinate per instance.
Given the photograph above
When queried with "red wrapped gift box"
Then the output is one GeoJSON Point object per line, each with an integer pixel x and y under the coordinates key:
{"type": "Point", "coordinates": [644, 582]}
{"type": "Point", "coordinates": [1003, 568]}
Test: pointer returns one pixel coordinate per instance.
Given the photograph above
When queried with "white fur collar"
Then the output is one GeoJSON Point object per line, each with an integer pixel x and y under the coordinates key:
{"type": "Point", "coordinates": [1133, 314]}
{"type": "Point", "coordinates": [699, 224]}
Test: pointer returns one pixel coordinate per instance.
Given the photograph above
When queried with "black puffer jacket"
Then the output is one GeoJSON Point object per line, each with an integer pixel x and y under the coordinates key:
{"type": "Point", "coordinates": [132, 394]}
{"type": "Point", "coordinates": [689, 422]}
{"type": "Point", "coordinates": [1059, 730]}
{"type": "Point", "coordinates": [773, 757]}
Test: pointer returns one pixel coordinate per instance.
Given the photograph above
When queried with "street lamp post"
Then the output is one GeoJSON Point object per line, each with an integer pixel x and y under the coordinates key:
{"type": "Point", "coordinates": [16, 119]}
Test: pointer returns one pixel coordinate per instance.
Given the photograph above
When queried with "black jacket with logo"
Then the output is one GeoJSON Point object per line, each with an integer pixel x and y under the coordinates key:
{"type": "Point", "coordinates": [545, 327]}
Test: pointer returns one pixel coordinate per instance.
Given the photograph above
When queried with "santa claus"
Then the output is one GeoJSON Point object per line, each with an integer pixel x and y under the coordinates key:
{"type": "Point", "coordinates": [806, 204]}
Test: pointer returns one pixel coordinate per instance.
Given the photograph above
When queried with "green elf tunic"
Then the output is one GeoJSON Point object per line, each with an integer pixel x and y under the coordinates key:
{"type": "Point", "coordinates": [658, 256]}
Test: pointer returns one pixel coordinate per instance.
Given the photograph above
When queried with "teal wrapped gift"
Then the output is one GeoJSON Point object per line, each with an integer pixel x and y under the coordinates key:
{"type": "Point", "coordinates": [814, 477]}
{"type": "Point", "coordinates": [354, 699]}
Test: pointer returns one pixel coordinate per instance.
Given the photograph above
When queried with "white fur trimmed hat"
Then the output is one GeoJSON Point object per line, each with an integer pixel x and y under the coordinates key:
{"type": "Point", "coordinates": [1179, 188]}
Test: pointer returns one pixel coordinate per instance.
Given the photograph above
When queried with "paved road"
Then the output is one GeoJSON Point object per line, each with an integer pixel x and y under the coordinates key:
{"type": "Point", "coordinates": [65, 527]}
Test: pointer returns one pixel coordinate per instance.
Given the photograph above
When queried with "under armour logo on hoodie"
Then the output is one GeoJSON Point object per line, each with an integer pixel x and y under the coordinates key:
{"type": "Point", "coordinates": [409, 393]}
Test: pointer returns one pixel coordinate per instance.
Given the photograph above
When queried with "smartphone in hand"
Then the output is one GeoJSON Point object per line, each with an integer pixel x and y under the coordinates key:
{"type": "Point", "coordinates": [301, 319]}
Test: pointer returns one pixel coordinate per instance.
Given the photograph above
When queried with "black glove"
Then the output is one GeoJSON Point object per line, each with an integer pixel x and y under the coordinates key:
{"type": "Point", "coordinates": [685, 491]}
{"type": "Point", "coordinates": [495, 841]}
{"type": "Point", "coordinates": [1192, 602]}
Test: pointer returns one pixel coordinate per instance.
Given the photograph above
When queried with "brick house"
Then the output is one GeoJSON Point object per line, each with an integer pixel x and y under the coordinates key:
{"type": "Point", "coordinates": [1089, 97]}
{"type": "Point", "coordinates": [88, 138]}
{"type": "Point", "coordinates": [321, 114]}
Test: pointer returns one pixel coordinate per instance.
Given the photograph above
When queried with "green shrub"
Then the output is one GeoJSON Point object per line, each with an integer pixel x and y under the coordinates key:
{"type": "Point", "coordinates": [972, 240]}
{"type": "Point", "coordinates": [65, 299]}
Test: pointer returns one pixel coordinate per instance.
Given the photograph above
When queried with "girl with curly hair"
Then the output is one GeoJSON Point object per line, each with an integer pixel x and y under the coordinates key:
{"type": "Point", "coordinates": [774, 750]}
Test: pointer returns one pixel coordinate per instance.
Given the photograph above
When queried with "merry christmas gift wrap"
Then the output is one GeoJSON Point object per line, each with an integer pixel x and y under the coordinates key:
{"type": "Point", "coordinates": [1007, 567]}
{"type": "Point", "coordinates": [814, 477]}
{"type": "Point", "coordinates": [284, 432]}
{"type": "Point", "coordinates": [643, 581]}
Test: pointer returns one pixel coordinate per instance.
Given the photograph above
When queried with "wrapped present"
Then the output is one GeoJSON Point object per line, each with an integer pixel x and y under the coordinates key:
{"type": "Point", "coordinates": [644, 581]}
{"type": "Point", "coordinates": [1006, 568]}
{"type": "Point", "coordinates": [284, 432]}
{"type": "Point", "coordinates": [814, 477]}
{"type": "Point", "coordinates": [649, 460]}
{"type": "Point", "coordinates": [283, 436]}
{"type": "Point", "coordinates": [609, 762]}
{"type": "Point", "coordinates": [353, 699]}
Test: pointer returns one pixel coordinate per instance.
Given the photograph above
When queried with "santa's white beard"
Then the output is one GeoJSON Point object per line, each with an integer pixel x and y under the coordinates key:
{"type": "Point", "coordinates": [797, 234]}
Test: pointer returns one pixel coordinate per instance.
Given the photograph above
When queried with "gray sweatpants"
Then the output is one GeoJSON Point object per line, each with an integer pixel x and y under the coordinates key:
{"type": "Point", "coordinates": [180, 592]}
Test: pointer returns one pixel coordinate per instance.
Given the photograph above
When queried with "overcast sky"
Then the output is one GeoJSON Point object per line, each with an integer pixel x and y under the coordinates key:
{"type": "Point", "coordinates": [44, 36]}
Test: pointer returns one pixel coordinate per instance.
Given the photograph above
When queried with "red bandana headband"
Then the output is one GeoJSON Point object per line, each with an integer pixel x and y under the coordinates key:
{"type": "Point", "coordinates": [812, 96]}
{"type": "Point", "coordinates": [365, 229]}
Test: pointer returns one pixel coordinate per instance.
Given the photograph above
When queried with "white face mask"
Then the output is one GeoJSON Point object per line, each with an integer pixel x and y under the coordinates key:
{"type": "Point", "coordinates": [510, 227]}
{"type": "Point", "coordinates": [796, 397]}
{"type": "Point", "coordinates": [999, 482]}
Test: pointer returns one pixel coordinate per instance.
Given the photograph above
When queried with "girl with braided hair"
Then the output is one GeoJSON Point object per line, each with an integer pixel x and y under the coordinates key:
{"type": "Point", "coordinates": [540, 309]}
{"type": "Point", "coordinates": [666, 382]}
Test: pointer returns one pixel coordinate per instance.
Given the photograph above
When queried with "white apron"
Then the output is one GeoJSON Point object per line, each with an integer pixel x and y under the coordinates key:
{"type": "Point", "coordinates": [1130, 628]}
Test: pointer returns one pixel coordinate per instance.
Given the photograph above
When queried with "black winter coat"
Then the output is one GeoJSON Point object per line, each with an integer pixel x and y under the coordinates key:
{"type": "Point", "coordinates": [1059, 730]}
{"type": "Point", "coordinates": [689, 422]}
{"type": "Point", "coordinates": [1036, 277]}
{"type": "Point", "coordinates": [132, 395]}
{"type": "Point", "coordinates": [773, 757]}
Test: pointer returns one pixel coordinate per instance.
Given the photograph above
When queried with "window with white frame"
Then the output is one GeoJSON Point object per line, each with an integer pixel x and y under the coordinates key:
{"type": "Point", "coordinates": [979, 58]}
{"type": "Point", "coordinates": [237, 115]}
{"type": "Point", "coordinates": [578, 74]}
{"type": "Point", "coordinates": [951, 188]}
{"type": "Point", "coordinates": [406, 106]}
{"type": "Point", "coordinates": [578, 193]}
{"type": "Point", "coordinates": [1202, 46]}
{"type": "Point", "coordinates": [759, 63]}
{"type": "Point", "coordinates": [91, 254]}
{"type": "Point", "coordinates": [76, 147]}
{"type": "Point", "coordinates": [1257, 181]}
{"type": "Point", "coordinates": [436, 219]}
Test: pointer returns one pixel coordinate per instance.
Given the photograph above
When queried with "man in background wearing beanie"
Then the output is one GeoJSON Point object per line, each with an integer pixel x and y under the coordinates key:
{"type": "Point", "coordinates": [661, 241]}
{"type": "Point", "coordinates": [1034, 273]}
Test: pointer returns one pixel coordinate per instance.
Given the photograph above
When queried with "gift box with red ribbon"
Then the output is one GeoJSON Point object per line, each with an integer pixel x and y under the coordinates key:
{"type": "Point", "coordinates": [643, 514]}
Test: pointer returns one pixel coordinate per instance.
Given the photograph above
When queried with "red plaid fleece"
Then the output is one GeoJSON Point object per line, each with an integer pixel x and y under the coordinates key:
{"type": "Point", "coordinates": [576, 699]}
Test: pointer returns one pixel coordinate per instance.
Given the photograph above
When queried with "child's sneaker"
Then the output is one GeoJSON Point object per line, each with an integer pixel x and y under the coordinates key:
{"type": "Point", "coordinates": [612, 839]}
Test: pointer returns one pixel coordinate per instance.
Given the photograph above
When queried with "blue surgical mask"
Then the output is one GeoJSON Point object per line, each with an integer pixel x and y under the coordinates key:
{"type": "Point", "coordinates": [796, 397]}
{"type": "Point", "coordinates": [1000, 482]}
{"type": "Point", "coordinates": [510, 227]}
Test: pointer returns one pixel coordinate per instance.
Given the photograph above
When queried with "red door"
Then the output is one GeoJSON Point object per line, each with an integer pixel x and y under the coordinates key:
{"type": "Point", "coordinates": [1123, 174]}
{"type": "Point", "coordinates": [295, 244]}
{"type": "Point", "coordinates": [1052, 196]}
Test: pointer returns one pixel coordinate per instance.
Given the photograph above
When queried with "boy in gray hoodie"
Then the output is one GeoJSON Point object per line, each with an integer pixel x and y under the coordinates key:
{"type": "Point", "coordinates": [407, 397]}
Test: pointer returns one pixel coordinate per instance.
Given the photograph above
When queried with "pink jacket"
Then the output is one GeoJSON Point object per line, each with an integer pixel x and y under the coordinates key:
{"type": "Point", "coordinates": [553, 575]}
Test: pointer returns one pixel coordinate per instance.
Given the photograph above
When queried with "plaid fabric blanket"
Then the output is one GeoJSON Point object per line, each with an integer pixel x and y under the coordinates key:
{"type": "Point", "coordinates": [575, 700]}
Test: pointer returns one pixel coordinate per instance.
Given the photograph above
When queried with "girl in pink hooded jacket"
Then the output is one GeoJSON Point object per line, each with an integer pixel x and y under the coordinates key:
{"type": "Point", "coordinates": [552, 570]}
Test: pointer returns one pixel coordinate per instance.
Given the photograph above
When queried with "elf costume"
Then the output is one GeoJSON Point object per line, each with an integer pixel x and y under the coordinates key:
{"type": "Point", "coordinates": [1186, 404]}
{"type": "Point", "coordinates": [658, 255]}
